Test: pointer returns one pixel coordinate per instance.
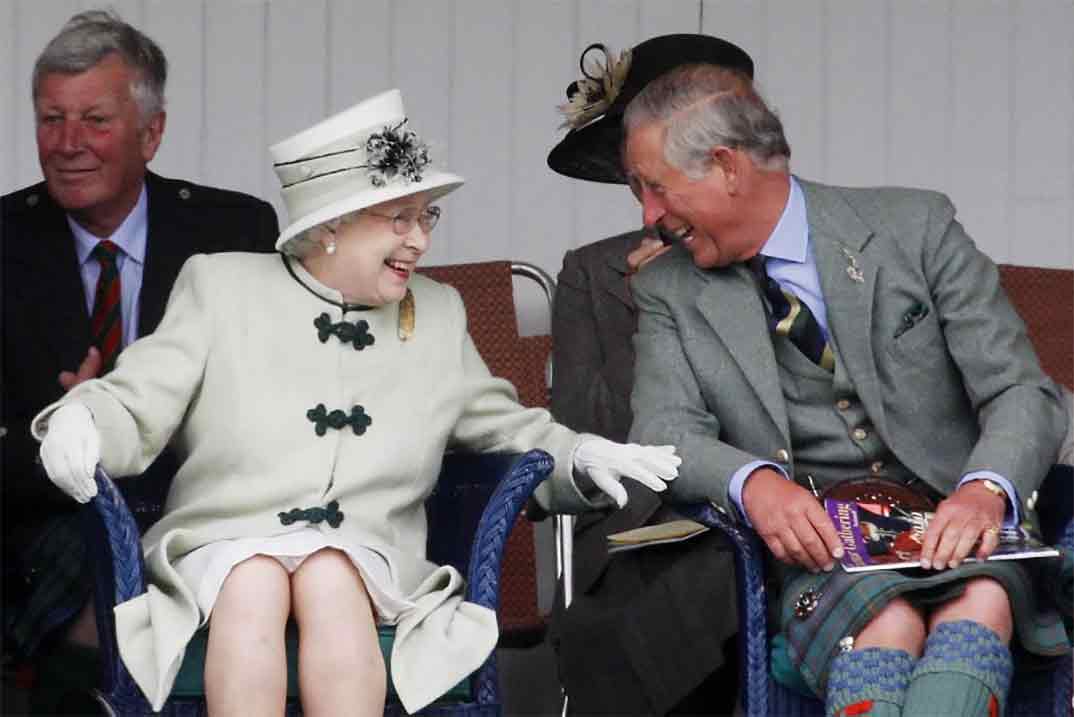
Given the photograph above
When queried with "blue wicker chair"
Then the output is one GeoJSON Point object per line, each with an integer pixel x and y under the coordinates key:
{"type": "Point", "coordinates": [471, 512]}
{"type": "Point", "coordinates": [1042, 693]}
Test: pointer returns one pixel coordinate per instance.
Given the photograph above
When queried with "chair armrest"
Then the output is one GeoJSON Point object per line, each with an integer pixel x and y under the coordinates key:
{"type": "Point", "coordinates": [115, 550]}
{"type": "Point", "coordinates": [752, 601]}
{"type": "Point", "coordinates": [515, 477]}
{"type": "Point", "coordinates": [511, 479]}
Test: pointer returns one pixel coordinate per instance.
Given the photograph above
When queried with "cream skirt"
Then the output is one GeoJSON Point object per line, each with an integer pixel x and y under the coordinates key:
{"type": "Point", "coordinates": [205, 569]}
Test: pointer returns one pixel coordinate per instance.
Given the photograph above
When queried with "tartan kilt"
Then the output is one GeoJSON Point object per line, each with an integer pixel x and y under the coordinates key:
{"type": "Point", "coordinates": [55, 582]}
{"type": "Point", "coordinates": [848, 601]}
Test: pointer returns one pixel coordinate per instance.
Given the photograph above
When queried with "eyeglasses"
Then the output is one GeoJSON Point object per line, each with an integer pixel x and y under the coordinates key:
{"type": "Point", "coordinates": [403, 222]}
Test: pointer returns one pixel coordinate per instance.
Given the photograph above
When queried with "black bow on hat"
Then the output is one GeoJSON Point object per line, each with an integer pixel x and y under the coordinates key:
{"type": "Point", "coordinates": [592, 151]}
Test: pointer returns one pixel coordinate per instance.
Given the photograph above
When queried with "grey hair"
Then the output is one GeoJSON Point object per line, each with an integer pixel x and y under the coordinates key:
{"type": "Point", "coordinates": [707, 106]}
{"type": "Point", "coordinates": [89, 37]}
{"type": "Point", "coordinates": [306, 241]}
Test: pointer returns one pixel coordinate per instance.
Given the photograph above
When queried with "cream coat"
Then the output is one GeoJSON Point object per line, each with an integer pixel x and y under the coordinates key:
{"type": "Point", "coordinates": [231, 373]}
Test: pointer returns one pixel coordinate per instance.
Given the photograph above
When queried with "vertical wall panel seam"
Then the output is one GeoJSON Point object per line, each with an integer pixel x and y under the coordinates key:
{"type": "Point", "coordinates": [700, 16]}
{"type": "Point", "coordinates": [1013, 19]}
{"type": "Point", "coordinates": [513, 123]}
{"type": "Point", "coordinates": [15, 52]}
{"type": "Point", "coordinates": [825, 90]}
{"type": "Point", "coordinates": [949, 108]}
{"type": "Point", "coordinates": [203, 131]}
{"type": "Point", "coordinates": [764, 38]}
{"type": "Point", "coordinates": [392, 31]}
{"type": "Point", "coordinates": [453, 107]}
{"type": "Point", "coordinates": [573, 209]}
{"type": "Point", "coordinates": [266, 19]}
{"type": "Point", "coordinates": [328, 101]}
{"type": "Point", "coordinates": [888, 86]}
{"type": "Point", "coordinates": [1070, 126]}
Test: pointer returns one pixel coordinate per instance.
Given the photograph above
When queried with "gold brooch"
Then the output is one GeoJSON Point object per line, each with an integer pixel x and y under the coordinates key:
{"type": "Point", "coordinates": [406, 316]}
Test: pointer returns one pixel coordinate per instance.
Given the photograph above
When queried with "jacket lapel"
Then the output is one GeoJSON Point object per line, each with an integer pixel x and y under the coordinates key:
{"type": "Point", "coordinates": [165, 251]}
{"type": "Point", "coordinates": [731, 303]}
{"type": "Point", "coordinates": [848, 280]}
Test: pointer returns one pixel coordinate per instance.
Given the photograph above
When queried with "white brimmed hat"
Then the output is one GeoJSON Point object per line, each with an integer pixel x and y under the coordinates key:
{"type": "Point", "coordinates": [362, 156]}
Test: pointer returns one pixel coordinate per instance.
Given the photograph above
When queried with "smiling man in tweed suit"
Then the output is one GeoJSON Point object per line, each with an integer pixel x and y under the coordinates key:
{"type": "Point", "coordinates": [900, 360]}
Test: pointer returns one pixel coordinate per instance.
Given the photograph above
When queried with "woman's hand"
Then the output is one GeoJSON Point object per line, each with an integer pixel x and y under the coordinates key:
{"type": "Point", "coordinates": [607, 463]}
{"type": "Point", "coordinates": [71, 450]}
{"type": "Point", "coordinates": [970, 513]}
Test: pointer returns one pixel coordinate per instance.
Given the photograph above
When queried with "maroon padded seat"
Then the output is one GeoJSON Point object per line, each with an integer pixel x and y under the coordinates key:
{"type": "Point", "coordinates": [487, 291]}
{"type": "Point", "coordinates": [1044, 298]}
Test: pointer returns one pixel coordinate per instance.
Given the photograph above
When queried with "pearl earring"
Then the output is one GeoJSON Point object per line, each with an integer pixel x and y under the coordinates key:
{"type": "Point", "coordinates": [330, 247]}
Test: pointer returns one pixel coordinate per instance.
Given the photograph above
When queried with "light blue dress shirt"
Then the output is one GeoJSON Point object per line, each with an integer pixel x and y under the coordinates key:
{"type": "Point", "coordinates": [130, 237]}
{"type": "Point", "coordinates": [789, 260]}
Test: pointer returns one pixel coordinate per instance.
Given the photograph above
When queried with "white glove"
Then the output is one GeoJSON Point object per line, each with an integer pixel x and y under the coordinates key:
{"type": "Point", "coordinates": [607, 463]}
{"type": "Point", "coordinates": [71, 450]}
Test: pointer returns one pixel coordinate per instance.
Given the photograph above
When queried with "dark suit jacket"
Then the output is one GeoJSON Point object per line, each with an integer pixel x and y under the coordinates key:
{"type": "Point", "coordinates": [593, 324]}
{"type": "Point", "coordinates": [629, 644]}
{"type": "Point", "coordinates": [46, 324]}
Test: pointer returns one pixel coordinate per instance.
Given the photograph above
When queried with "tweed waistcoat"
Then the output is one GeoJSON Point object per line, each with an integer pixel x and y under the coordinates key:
{"type": "Point", "coordinates": [831, 434]}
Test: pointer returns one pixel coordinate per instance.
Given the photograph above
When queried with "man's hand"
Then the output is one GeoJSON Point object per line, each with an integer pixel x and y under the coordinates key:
{"type": "Point", "coordinates": [89, 368]}
{"type": "Point", "coordinates": [646, 251]}
{"type": "Point", "coordinates": [970, 513]}
{"type": "Point", "coordinates": [790, 521]}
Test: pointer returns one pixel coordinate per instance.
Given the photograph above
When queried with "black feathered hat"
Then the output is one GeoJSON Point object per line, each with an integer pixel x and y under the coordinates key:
{"type": "Point", "coordinates": [590, 150]}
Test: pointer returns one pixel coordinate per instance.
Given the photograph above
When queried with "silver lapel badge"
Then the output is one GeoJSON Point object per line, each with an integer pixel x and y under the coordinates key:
{"type": "Point", "coordinates": [853, 270]}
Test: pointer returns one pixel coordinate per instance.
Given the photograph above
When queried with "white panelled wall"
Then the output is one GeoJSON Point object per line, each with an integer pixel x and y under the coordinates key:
{"type": "Point", "coordinates": [971, 97]}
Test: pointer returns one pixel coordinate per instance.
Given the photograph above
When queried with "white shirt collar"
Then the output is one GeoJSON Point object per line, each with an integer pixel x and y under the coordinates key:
{"type": "Point", "coordinates": [130, 236]}
{"type": "Point", "coordinates": [790, 239]}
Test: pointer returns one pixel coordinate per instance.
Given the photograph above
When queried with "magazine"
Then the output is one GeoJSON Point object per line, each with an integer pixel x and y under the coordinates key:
{"type": "Point", "coordinates": [671, 532]}
{"type": "Point", "coordinates": [876, 537]}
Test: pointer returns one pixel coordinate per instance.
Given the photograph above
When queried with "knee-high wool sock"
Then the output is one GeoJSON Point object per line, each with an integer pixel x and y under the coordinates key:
{"type": "Point", "coordinates": [966, 670]}
{"type": "Point", "coordinates": [868, 682]}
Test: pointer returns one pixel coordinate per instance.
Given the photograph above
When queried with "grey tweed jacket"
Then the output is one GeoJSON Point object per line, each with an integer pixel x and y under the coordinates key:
{"type": "Point", "coordinates": [959, 390]}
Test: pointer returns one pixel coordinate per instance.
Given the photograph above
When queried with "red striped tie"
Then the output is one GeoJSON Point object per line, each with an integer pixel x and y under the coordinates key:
{"type": "Point", "coordinates": [106, 326]}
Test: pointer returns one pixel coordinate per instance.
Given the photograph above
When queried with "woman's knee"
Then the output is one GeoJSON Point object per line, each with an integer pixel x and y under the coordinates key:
{"type": "Point", "coordinates": [330, 599]}
{"type": "Point", "coordinates": [329, 590]}
{"type": "Point", "coordinates": [983, 601]}
{"type": "Point", "coordinates": [255, 596]}
{"type": "Point", "coordinates": [899, 625]}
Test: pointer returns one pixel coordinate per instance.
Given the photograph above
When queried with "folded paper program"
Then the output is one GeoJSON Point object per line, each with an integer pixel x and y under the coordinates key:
{"type": "Point", "coordinates": [673, 531]}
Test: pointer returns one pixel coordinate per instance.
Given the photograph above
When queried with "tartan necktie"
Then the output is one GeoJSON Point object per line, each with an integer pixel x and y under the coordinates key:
{"type": "Point", "coordinates": [106, 326]}
{"type": "Point", "coordinates": [790, 316]}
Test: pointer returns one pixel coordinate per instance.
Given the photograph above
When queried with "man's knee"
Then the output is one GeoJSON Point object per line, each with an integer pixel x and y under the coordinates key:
{"type": "Point", "coordinates": [984, 601]}
{"type": "Point", "coordinates": [899, 625]}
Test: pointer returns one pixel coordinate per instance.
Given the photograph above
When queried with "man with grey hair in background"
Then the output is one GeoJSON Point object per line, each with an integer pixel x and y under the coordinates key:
{"type": "Point", "coordinates": [89, 256]}
{"type": "Point", "coordinates": [798, 337]}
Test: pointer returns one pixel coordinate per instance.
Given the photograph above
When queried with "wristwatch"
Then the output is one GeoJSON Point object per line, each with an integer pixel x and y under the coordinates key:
{"type": "Point", "coordinates": [993, 488]}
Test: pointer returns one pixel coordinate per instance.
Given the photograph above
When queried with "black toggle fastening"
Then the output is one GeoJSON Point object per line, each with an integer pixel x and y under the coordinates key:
{"type": "Point", "coordinates": [358, 420]}
{"type": "Point", "coordinates": [330, 514]}
{"type": "Point", "coordinates": [355, 333]}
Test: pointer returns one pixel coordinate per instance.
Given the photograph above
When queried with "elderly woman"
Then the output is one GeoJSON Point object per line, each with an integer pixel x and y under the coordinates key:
{"type": "Point", "coordinates": [313, 395]}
